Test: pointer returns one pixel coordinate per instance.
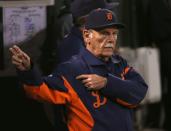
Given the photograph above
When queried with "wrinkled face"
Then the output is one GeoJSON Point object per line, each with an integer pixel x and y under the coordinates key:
{"type": "Point", "coordinates": [101, 43]}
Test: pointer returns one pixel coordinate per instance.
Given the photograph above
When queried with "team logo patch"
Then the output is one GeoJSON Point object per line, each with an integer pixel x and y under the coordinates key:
{"type": "Point", "coordinates": [109, 16]}
{"type": "Point", "coordinates": [99, 101]}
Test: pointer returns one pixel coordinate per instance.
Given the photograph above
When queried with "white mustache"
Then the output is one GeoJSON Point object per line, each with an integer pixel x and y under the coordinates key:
{"type": "Point", "coordinates": [109, 45]}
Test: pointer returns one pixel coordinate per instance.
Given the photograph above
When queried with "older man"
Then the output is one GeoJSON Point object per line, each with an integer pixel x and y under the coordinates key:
{"type": "Point", "coordinates": [97, 86]}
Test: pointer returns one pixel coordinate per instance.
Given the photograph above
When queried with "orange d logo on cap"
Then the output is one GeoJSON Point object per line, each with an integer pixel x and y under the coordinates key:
{"type": "Point", "coordinates": [102, 18]}
{"type": "Point", "coordinates": [109, 16]}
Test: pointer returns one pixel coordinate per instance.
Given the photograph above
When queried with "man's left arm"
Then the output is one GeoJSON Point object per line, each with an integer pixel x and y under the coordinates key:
{"type": "Point", "coordinates": [129, 91]}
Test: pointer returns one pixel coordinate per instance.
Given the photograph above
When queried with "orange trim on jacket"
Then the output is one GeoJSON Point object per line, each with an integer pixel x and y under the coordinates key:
{"type": "Point", "coordinates": [124, 103]}
{"type": "Point", "coordinates": [79, 117]}
{"type": "Point", "coordinates": [120, 101]}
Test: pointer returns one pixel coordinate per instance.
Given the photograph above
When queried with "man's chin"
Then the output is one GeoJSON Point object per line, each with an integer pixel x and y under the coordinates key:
{"type": "Point", "coordinates": [107, 55]}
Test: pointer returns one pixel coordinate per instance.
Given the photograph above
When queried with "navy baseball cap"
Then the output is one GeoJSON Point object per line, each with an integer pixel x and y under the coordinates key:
{"type": "Point", "coordinates": [102, 18]}
{"type": "Point", "coordinates": [81, 8]}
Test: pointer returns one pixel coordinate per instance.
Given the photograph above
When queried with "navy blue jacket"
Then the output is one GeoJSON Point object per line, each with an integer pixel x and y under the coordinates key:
{"type": "Point", "coordinates": [108, 109]}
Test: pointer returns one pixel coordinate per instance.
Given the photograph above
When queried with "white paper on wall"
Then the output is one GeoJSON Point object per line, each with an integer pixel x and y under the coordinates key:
{"type": "Point", "coordinates": [21, 24]}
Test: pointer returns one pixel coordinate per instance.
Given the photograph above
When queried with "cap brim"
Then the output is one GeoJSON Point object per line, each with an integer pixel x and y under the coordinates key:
{"type": "Point", "coordinates": [116, 25]}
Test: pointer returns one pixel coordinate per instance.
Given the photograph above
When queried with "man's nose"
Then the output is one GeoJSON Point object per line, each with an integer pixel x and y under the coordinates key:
{"type": "Point", "coordinates": [112, 37]}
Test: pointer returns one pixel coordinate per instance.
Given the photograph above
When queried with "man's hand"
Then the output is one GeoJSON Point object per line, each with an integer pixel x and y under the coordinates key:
{"type": "Point", "coordinates": [92, 81]}
{"type": "Point", "coordinates": [20, 59]}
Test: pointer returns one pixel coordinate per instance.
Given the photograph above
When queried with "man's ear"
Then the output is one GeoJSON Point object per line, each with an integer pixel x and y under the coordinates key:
{"type": "Point", "coordinates": [87, 34]}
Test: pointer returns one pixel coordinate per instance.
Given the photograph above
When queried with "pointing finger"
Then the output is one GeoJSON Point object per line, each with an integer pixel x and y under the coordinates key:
{"type": "Point", "coordinates": [84, 76]}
